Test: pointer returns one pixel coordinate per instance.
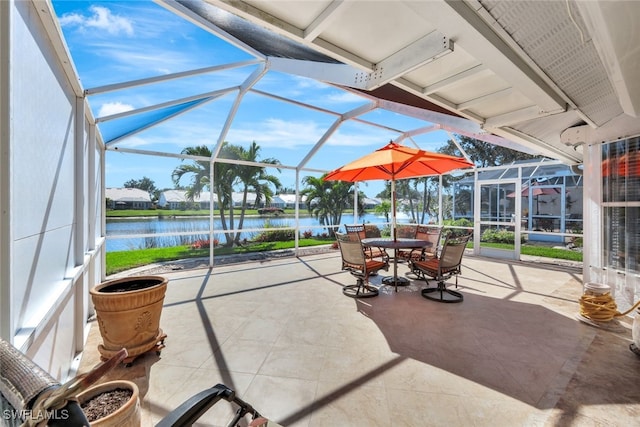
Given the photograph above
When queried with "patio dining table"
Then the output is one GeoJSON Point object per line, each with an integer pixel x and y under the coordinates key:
{"type": "Point", "coordinates": [398, 243]}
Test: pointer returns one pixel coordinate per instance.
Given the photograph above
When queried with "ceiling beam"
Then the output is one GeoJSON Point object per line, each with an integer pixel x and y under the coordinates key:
{"type": "Point", "coordinates": [341, 74]}
{"type": "Point", "coordinates": [476, 35]}
{"type": "Point", "coordinates": [538, 146]}
{"type": "Point", "coordinates": [424, 50]}
{"type": "Point", "coordinates": [334, 127]}
{"type": "Point", "coordinates": [244, 88]}
{"type": "Point", "coordinates": [513, 117]}
{"type": "Point", "coordinates": [285, 29]}
{"type": "Point", "coordinates": [418, 131]}
{"type": "Point", "coordinates": [436, 99]}
{"type": "Point", "coordinates": [203, 96]}
{"type": "Point", "coordinates": [431, 116]}
{"type": "Point", "coordinates": [476, 71]}
{"type": "Point", "coordinates": [166, 77]}
{"type": "Point", "coordinates": [491, 97]}
{"type": "Point", "coordinates": [323, 20]}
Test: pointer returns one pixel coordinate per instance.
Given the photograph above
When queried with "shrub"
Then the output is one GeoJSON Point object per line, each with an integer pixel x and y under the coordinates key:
{"type": "Point", "coordinates": [576, 242]}
{"type": "Point", "coordinates": [499, 236]}
{"type": "Point", "coordinates": [460, 222]}
{"type": "Point", "coordinates": [204, 244]}
{"type": "Point", "coordinates": [275, 236]}
{"type": "Point", "coordinates": [307, 234]}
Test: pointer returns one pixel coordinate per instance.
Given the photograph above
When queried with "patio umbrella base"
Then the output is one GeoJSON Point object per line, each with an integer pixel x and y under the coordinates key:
{"type": "Point", "coordinates": [359, 291]}
{"type": "Point", "coordinates": [395, 281]}
{"type": "Point", "coordinates": [442, 294]}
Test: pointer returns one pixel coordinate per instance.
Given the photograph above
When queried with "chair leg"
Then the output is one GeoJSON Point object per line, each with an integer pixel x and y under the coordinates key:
{"type": "Point", "coordinates": [442, 294]}
{"type": "Point", "coordinates": [360, 290]}
{"type": "Point", "coordinates": [416, 272]}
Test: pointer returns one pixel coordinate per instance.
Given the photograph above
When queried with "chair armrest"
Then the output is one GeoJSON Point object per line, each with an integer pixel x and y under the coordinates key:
{"type": "Point", "coordinates": [193, 408]}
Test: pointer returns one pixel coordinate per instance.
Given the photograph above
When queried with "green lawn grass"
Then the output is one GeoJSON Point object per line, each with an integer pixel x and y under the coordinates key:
{"type": "Point", "coordinates": [123, 260]}
{"type": "Point", "coordinates": [542, 251]}
{"type": "Point", "coordinates": [120, 213]}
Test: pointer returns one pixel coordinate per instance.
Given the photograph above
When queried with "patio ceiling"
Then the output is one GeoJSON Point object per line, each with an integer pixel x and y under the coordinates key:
{"type": "Point", "coordinates": [547, 76]}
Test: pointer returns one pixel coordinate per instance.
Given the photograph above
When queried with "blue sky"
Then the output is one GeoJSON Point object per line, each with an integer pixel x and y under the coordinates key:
{"type": "Point", "coordinates": [113, 42]}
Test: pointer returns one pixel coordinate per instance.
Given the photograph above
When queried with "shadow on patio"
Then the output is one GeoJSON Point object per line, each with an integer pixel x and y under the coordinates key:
{"type": "Point", "coordinates": [282, 335]}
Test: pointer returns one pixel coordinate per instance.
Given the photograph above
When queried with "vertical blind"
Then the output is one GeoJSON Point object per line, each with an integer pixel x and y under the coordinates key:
{"type": "Point", "coordinates": [621, 205]}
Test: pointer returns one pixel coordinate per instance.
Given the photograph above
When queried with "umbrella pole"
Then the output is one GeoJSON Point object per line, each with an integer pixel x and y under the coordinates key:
{"type": "Point", "coordinates": [393, 209]}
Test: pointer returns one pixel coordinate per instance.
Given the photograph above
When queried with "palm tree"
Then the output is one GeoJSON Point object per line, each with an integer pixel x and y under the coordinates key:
{"type": "Point", "coordinates": [226, 176]}
{"type": "Point", "coordinates": [326, 200]}
{"type": "Point", "coordinates": [384, 208]}
{"type": "Point", "coordinates": [254, 178]}
{"type": "Point", "coordinates": [199, 171]}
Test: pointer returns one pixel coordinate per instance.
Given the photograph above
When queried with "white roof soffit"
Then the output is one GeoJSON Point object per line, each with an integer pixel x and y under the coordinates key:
{"type": "Point", "coordinates": [453, 54]}
{"type": "Point", "coordinates": [355, 45]}
{"type": "Point", "coordinates": [615, 32]}
{"type": "Point", "coordinates": [523, 70]}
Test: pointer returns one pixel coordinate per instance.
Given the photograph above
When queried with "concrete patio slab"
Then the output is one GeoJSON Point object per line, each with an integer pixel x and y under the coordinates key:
{"type": "Point", "coordinates": [284, 337]}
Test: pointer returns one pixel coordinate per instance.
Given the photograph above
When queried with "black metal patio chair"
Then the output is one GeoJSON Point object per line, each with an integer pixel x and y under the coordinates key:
{"type": "Point", "coordinates": [355, 262]}
{"type": "Point", "coordinates": [362, 231]}
{"type": "Point", "coordinates": [442, 268]}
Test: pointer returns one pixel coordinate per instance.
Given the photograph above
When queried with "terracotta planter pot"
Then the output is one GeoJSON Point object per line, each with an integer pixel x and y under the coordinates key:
{"type": "Point", "coordinates": [128, 312]}
{"type": "Point", "coordinates": [127, 415]}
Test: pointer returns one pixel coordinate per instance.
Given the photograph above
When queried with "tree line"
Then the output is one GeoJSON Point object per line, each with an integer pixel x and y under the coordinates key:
{"type": "Point", "coordinates": [326, 200]}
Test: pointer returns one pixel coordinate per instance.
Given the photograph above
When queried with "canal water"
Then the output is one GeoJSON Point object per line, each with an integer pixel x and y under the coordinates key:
{"type": "Point", "coordinates": [197, 228]}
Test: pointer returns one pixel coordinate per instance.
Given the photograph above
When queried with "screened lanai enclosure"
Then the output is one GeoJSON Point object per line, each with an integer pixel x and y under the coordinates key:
{"type": "Point", "coordinates": [95, 95]}
{"type": "Point", "coordinates": [535, 201]}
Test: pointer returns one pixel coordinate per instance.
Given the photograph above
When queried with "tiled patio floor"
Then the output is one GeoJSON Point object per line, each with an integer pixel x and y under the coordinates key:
{"type": "Point", "coordinates": [282, 335]}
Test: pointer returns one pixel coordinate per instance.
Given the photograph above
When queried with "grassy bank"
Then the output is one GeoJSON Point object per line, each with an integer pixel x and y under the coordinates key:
{"type": "Point", "coordinates": [536, 250]}
{"type": "Point", "coordinates": [151, 213]}
{"type": "Point", "coordinates": [124, 260]}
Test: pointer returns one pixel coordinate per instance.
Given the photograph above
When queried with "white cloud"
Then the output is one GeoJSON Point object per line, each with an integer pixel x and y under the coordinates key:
{"type": "Point", "coordinates": [278, 133]}
{"type": "Point", "coordinates": [101, 19]}
{"type": "Point", "coordinates": [340, 97]}
{"type": "Point", "coordinates": [293, 134]}
{"type": "Point", "coordinates": [111, 108]}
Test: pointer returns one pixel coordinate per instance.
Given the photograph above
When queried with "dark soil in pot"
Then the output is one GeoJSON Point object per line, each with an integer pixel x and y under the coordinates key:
{"type": "Point", "coordinates": [131, 285]}
{"type": "Point", "coordinates": [105, 403]}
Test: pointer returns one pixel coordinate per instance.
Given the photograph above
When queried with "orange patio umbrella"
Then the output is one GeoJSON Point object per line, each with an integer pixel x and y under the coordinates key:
{"type": "Point", "coordinates": [394, 161]}
{"type": "Point", "coordinates": [536, 191]}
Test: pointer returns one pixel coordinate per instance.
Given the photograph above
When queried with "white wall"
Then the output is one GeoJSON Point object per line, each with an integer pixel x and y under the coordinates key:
{"type": "Point", "coordinates": [53, 220]}
{"type": "Point", "coordinates": [5, 244]}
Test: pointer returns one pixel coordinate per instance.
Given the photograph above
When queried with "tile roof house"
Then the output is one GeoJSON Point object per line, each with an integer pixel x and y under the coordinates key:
{"type": "Point", "coordinates": [370, 203]}
{"type": "Point", "coordinates": [177, 199]}
{"type": "Point", "coordinates": [290, 201]}
{"type": "Point", "coordinates": [127, 198]}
